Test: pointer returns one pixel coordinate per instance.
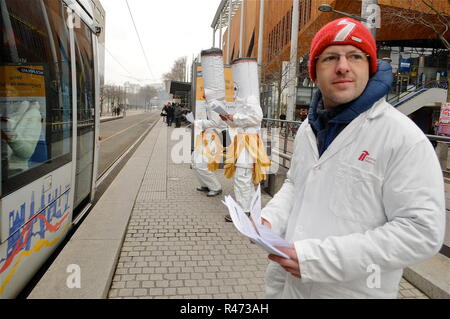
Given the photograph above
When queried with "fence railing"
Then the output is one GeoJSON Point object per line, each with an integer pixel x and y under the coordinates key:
{"type": "Point", "coordinates": [286, 131]}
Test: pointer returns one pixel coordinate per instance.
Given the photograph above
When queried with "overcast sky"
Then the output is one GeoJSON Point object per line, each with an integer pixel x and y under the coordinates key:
{"type": "Point", "coordinates": [169, 29]}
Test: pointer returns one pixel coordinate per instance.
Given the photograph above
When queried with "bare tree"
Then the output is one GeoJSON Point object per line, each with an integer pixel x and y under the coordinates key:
{"type": "Point", "coordinates": [146, 93]}
{"type": "Point", "coordinates": [178, 71]}
{"type": "Point", "coordinates": [277, 78]}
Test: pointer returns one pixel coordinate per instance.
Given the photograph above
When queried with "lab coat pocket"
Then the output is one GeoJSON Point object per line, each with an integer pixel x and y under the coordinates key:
{"type": "Point", "coordinates": [356, 196]}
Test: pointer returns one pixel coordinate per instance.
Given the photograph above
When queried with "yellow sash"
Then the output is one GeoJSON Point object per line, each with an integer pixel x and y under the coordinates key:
{"type": "Point", "coordinates": [255, 146]}
{"type": "Point", "coordinates": [202, 145]}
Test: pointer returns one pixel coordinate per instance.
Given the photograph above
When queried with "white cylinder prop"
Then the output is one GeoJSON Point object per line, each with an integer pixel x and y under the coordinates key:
{"type": "Point", "coordinates": [213, 74]}
{"type": "Point", "coordinates": [245, 78]}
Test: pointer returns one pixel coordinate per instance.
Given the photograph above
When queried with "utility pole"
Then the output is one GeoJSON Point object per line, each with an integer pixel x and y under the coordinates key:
{"type": "Point", "coordinates": [260, 38]}
{"type": "Point", "coordinates": [230, 11]}
{"type": "Point", "coordinates": [370, 11]}
{"type": "Point", "coordinates": [241, 30]}
{"type": "Point", "coordinates": [292, 77]}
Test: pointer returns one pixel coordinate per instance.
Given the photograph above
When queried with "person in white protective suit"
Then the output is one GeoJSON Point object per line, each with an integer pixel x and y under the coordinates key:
{"type": "Point", "coordinates": [208, 150]}
{"type": "Point", "coordinates": [20, 131]}
{"type": "Point", "coordinates": [364, 196]}
{"type": "Point", "coordinates": [246, 159]}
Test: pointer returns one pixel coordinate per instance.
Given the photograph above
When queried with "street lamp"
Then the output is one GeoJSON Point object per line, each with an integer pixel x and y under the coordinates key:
{"type": "Point", "coordinates": [369, 10]}
{"type": "Point", "coordinates": [328, 8]}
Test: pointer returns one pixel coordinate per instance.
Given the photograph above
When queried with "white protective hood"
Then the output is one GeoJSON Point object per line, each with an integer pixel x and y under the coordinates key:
{"type": "Point", "coordinates": [213, 74]}
{"type": "Point", "coordinates": [245, 78]}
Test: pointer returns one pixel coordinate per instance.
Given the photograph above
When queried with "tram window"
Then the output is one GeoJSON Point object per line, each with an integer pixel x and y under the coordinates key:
{"type": "Point", "coordinates": [35, 91]}
{"type": "Point", "coordinates": [84, 59]}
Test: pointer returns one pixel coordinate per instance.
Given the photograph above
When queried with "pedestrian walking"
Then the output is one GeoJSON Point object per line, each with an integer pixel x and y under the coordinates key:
{"type": "Point", "coordinates": [177, 114]}
{"type": "Point", "coordinates": [164, 113]}
{"type": "Point", "coordinates": [170, 114]}
{"type": "Point", "coordinates": [364, 196]}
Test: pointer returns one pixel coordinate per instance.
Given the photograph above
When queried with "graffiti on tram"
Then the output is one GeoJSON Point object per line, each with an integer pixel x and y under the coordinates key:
{"type": "Point", "coordinates": [32, 228]}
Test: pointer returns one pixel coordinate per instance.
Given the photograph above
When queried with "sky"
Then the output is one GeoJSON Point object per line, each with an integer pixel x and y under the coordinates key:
{"type": "Point", "coordinates": [168, 29]}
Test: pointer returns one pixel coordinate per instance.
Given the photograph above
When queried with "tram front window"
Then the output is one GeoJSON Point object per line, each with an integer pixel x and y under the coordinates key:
{"type": "Point", "coordinates": [35, 90]}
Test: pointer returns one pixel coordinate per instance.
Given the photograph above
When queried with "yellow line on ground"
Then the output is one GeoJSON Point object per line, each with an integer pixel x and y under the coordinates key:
{"type": "Point", "coordinates": [120, 132]}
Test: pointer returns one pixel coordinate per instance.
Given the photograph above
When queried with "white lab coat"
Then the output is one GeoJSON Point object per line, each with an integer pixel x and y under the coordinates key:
{"type": "Point", "coordinates": [205, 177]}
{"type": "Point", "coordinates": [350, 215]}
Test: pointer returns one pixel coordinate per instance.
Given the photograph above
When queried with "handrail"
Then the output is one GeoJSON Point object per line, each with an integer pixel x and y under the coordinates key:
{"type": "Point", "coordinates": [409, 96]}
{"type": "Point", "coordinates": [438, 138]}
{"type": "Point", "coordinates": [283, 154]}
{"type": "Point", "coordinates": [283, 121]}
{"type": "Point", "coordinates": [415, 88]}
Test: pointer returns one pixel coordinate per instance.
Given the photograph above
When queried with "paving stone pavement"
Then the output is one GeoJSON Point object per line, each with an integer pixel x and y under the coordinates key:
{"type": "Point", "coordinates": [178, 245]}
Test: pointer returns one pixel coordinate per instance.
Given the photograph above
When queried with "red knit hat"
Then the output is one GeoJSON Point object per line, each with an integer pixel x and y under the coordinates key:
{"type": "Point", "coordinates": [344, 31]}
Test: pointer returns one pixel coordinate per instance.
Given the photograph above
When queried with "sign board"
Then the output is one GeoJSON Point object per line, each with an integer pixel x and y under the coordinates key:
{"type": "Point", "coordinates": [444, 120]}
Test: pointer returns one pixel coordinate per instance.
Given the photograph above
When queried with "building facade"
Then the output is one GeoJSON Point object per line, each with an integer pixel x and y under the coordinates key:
{"type": "Point", "coordinates": [417, 54]}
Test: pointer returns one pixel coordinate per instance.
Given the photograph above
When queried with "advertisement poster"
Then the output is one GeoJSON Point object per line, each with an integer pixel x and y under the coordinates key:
{"type": "Point", "coordinates": [22, 90]}
{"type": "Point", "coordinates": [200, 93]}
{"type": "Point", "coordinates": [229, 90]}
{"type": "Point", "coordinates": [444, 120]}
{"type": "Point", "coordinates": [200, 108]}
{"type": "Point", "coordinates": [19, 83]}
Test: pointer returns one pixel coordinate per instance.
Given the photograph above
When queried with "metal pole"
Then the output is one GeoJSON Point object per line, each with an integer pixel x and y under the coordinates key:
{"type": "Point", "coordinates": [370, 10]}
{"type": "Point", "coordinates": [229, 30]}
{"type": "Point", "coordinates": [220, 31]}
{"type": "Point", "coordinates": [260, 37]}
{"type": "Point", "coordinates": [214, 38]}
{"type": "Point", "coordinates": [241, 30]}
{"type": "Point", "coordinates": [292, 88]}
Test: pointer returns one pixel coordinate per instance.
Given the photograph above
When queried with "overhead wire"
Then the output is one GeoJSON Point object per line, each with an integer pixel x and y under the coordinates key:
{"type": "Point", "coordinates": [140, 42]}
{"type": "Point", "coordinates": [130, 75]}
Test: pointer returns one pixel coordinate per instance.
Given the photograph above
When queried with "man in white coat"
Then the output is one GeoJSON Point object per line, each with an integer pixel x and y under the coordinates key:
{"type": "Point", "coordinates": [364, 196]}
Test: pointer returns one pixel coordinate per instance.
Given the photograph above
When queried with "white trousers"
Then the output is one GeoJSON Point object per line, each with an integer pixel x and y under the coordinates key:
{"type": "Point", "coordinates": [205, 177]}
{"type": "Point", "coordinates": [244, 189]}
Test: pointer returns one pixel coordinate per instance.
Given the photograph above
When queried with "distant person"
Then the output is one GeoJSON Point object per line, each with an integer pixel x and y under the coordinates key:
{"type": "Point", "coordinates": [177, 114]}
{"type": "Point", "coordinates": [283, 118]}
{"type": "Point", "coordinates": [170, 114]}
{"type": "Point", "coordinates": [164, 113]}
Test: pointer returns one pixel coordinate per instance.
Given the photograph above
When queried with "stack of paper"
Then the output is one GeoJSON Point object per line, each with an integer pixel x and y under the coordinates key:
{"type": "Point", "coordinates": [190, 117]}
{"type": "Point", "coordinates": [252, 228]}
{"type": "Point", "coordinates": [219, 109]}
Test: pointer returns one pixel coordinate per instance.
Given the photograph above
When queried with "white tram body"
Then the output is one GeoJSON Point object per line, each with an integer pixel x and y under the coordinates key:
{"type": "Point", "coordinates": [51, 69]}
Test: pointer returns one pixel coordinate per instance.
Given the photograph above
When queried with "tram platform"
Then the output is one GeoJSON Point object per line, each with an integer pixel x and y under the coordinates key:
{"type": "Point", "coordinates": [153, 235]}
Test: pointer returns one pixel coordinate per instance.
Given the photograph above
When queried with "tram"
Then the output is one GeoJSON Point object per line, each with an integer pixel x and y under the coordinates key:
{"type": "Point", "coordinates": [51, 70]}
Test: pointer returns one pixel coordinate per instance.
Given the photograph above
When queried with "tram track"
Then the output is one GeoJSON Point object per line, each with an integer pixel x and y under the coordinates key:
{"type": "Point", "coordinates": [107, 170]}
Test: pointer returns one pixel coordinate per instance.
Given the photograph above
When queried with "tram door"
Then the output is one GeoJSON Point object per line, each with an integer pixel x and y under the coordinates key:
{"type": "Point", "coordinates": [85, 113]}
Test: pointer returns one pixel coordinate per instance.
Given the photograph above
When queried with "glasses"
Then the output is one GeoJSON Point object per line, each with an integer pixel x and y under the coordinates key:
{"type": "Point", "coordinates": [333, 58]}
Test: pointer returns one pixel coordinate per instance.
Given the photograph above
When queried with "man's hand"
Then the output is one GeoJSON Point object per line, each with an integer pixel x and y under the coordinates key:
{"type": "Point", "coordinates": [290, 265]}
{"type": "Point", "coordinates": [266, 223]}
{"type": "Point", "coordinates": [228, 117]}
